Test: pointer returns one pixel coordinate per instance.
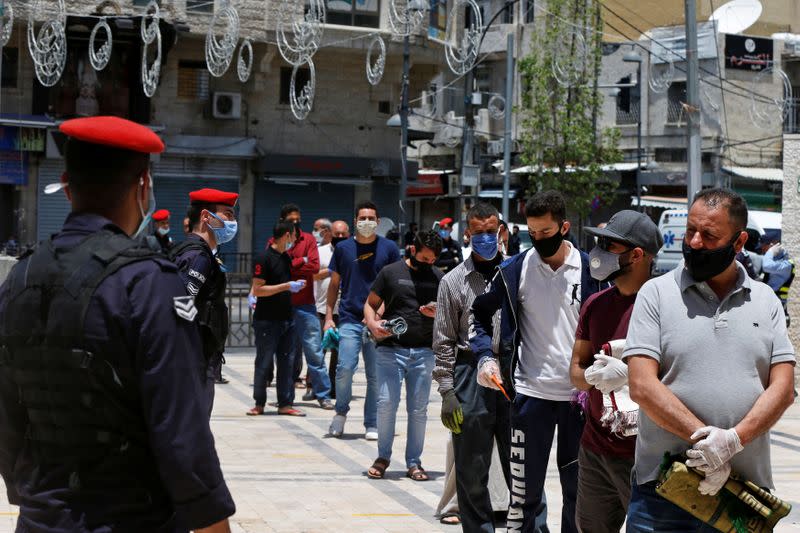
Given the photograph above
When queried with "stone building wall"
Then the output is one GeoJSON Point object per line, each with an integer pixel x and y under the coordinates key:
{"type": "Point", "coordinates": [791, 228]}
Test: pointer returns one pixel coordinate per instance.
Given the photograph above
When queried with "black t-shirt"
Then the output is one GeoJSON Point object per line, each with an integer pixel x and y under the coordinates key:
{"type": "Point", "coordinates": [403, 291]}
{"type": "Point", "coordinates": [274, 268]}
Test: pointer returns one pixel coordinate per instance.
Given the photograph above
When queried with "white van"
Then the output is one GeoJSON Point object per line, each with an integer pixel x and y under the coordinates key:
{"type": "Point", "coordinates": [672, 226]}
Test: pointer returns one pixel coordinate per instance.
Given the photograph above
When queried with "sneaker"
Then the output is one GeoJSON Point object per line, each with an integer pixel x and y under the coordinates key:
{"type": "Point", "coordinates": [221, 381]}
{"type": "Point", "coordinates": [371, 434]}
{"type": "Point", "coordinates": [326, 404]}
{"type": "Point", "coordinates": [308, 396]}
{"type": "Point", "coordinates": [337, 425]}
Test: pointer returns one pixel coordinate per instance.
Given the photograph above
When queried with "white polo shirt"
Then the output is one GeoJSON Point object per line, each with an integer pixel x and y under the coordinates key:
{"type": "Point", "coordinates": [549, 306]}
{"type": "Point", "coordinates": [321, 286]}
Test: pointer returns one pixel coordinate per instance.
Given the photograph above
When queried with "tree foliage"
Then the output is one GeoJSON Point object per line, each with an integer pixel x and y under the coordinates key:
{"type": "Point", "coordinates": [561, 104]}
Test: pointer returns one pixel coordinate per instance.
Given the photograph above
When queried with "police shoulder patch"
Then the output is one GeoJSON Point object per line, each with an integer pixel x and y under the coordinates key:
{"type": "Point", "coordinates": [184, 307]}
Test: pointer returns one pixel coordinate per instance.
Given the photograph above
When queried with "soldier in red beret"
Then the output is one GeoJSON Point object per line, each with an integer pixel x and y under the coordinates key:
{"type": "Point", "coordinates": [451, 251]}
{"type": "Point", "coordinates": [160, 238]}
{"type": "Point", "coordinates": [121, 443]}
{"type": "Point", "coordinates": [212, 222]}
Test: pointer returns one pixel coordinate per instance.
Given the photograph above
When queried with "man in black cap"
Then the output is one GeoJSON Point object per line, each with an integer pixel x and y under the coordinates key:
{"type": "Point", "coordinates": [103, 417]}
{"type": "Point", "coordinates": [625, 251]}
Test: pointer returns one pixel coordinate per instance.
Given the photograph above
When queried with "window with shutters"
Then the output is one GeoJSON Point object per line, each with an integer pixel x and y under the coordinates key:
{"type": "Point", "coordinates": [193, 80]}
{"type": "Point", "coordinates": [365, 13]}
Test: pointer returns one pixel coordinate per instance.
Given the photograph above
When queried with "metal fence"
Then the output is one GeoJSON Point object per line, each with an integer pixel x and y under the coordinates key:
{"type": "Point", "coordinates": [240, 316]}
{"type": "Point", "coordinates": [791, 122]}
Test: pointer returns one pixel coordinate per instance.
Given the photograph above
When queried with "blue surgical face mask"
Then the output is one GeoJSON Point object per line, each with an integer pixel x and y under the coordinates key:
{"type": "Point", "coordinates": [227, 232]}
{"type": "Point", "coordinates": [163, 231]}
{"type": "Point", "coordinates": [444, 233]}
{"type": "Point", "coordinates": [151, 208]}
{"type": "Point", "coordinates": [290, 246]}
{"type": "Point", "coordinates": [485, 245]}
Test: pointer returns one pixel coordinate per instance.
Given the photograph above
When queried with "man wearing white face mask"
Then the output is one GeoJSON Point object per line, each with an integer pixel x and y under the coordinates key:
{"type": "Point", "coordinates": [212, 222]}
{"type": "Point", "coordinates": [354, 266]}
{"type": "Point", "coordinates": [625, 250]}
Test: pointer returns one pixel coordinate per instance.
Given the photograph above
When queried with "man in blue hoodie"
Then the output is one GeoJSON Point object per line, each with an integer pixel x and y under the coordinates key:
{"type": "Point", "coordinates": [540, 294]}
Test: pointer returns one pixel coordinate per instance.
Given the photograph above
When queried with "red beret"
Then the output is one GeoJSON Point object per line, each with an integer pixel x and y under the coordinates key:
{"type": "Point", "coordinates": [213, 196]}
{"type": "Point", "coordinates": [161, 214]}
{"type": "Point", "coordinates": [113, 131]}
{"type": "Point", "coordinates": [446, 221]}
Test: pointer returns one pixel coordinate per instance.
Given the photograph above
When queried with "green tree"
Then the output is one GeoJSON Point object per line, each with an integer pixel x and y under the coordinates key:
{"type": "Point", "coordinates": [561, 104]}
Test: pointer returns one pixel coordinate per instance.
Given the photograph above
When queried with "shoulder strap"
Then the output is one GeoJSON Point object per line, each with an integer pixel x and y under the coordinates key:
{"type": "Point", "coordinates": [188, 244]}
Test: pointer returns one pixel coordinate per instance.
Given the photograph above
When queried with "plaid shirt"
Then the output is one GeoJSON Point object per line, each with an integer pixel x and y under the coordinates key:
{"type": "Point", "coordinates": [457, 290]}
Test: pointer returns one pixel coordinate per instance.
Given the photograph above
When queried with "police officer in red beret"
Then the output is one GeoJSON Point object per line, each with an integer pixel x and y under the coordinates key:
{"type": "Point", "coordinates": [212, 222]}
{"type": "Point", "coordinates": [102, 401]}
{"type": "Point", "coordinates": [160, 239]}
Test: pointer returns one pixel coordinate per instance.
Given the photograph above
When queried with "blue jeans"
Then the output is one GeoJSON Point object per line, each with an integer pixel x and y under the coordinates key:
{"type": "Point", "coordinates": [415, 365]}
{"type": "Point", "coordinates": [649, 512]}
{"type": "Point", "coordinates": [274, 338]}
{"type": "Point", "coordinates": [349, 346]}
{"type": "Point", "coordinates": [309, 337]}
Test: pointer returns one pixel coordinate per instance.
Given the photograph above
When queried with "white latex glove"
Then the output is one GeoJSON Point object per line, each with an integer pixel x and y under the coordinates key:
{"type": "Point", "coordinates": [776, 250]}
{"type": "Point", "coordinates": [607, 373]}
{"type": "Point", "coordinates": [252, 300]}
{"type": "Point", "coordinates": [714, 480]}
{"type": "Point", "coordinates": [486, 370]}
{"type": "Point", "coordinates": [716, 449]}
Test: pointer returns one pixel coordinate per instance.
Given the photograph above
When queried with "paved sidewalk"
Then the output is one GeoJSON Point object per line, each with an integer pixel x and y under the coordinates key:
{"type": "Point", "coordinates": [287, 476]}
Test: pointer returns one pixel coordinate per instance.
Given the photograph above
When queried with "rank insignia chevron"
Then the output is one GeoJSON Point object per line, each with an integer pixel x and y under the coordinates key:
{"type": "Point", "coordinates": [184, 307]}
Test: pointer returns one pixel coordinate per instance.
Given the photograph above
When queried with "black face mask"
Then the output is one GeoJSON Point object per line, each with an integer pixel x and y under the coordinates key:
{"type": "Point", "coordinates": [337, 240]}
{"type": "Point", "coordinates": [548, 246]}
{"type": "Point", "coordinates": [419, 265]}
{"type": "Point", "coordinates": [704, 264]}
{"type": "Point", "coordinates": [297, 228]}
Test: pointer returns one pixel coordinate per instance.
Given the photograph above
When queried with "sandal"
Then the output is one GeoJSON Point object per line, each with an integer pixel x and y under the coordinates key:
{"type": "Point", "coordinates": [417, 473]}
{"type": "Point", "coordinates": [450, 519]}
{"type": "Point", "coordinates": [255, 411]}
{"type": "Point", "coordinates": [378, 468]}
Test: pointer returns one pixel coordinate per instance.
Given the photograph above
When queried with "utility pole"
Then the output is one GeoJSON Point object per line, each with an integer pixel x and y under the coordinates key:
{"type": "Point", "coordinates": [404, 134]}
{"type": "Point", "coordinates": [694, 177]}
{"type": "Point", "coordinates": [467, 139]}
{"type": "Point", "coordinates": [508, 109]}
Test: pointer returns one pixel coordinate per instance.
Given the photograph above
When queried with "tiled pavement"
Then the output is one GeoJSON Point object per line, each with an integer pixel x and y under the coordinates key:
{"type": "Point", "coordinates": [287, 476]}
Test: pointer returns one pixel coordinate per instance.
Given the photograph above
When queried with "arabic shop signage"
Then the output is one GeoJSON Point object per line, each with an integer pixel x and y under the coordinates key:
{"type": "Point", "coordinates": [748, 53]}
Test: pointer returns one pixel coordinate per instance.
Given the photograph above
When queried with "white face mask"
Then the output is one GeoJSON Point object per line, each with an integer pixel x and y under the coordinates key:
{"type": "Point", "coordinates": [366, 228]}
{"type": "Point", "coordinates": [317, 237]}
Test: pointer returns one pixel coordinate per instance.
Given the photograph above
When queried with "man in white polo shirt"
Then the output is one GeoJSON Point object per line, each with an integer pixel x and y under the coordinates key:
{"type": "Point", "coordinates": [540, 294]}
{"type": "Point", "coordinates": [709, 364]}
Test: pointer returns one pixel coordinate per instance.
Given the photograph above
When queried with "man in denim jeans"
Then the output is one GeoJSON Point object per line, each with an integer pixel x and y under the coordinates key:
{"type": "Point", "coordinates": [354, 266]}
{"type": "Point", "coordinates": [272, 320]}
{"type": "Point", "coordinates": [408, 290]}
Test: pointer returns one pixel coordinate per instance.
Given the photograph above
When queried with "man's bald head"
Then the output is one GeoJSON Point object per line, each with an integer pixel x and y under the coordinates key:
{"type": "Point", "coordinates": [341, 229]}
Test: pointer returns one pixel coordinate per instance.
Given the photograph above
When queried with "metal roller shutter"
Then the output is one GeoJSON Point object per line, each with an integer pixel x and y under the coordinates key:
{"type": "Point", "coordinates": [52, 209]}
{"type": "Point", "coordinates": [318, 200]}
{"type": "Point", "coordinates": [386, 197]}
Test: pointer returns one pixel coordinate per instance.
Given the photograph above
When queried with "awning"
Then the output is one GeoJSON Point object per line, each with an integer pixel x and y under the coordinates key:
{"type": "Point", "coordinates": [665, 202]}
{"type": "Point", "coordinates": [433, 172]}
{"type": "Point", "coordinates": [497, 193]}
{"type": "Point", "coordinates": [26, 121]}
{"type": "Point", "coordinates": [756, 173]}
{"type": "Point", "coordinates": [615, 167]}
{"type": "Point", "coordinates": [211, 147]}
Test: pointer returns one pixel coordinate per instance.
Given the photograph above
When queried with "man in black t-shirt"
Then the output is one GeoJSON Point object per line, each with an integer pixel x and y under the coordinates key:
{"type": "Point", "coordinates": [407, 289]}
{"type": "Point", "coordinates": [272, 320]}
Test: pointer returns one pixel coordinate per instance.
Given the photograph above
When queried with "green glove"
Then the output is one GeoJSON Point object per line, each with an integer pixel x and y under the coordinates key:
{"type": "Point", "coordinates": [452, 415]}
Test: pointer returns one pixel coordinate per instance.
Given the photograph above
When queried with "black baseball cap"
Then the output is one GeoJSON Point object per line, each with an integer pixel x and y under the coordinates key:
{"type": "Point", "coordinates": [633, 228]}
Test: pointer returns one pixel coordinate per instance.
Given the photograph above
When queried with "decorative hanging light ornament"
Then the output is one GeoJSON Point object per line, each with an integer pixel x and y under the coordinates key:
{"type": "Point", "coordinates": [219, 51]}
{"type": "Point", "coordinates": [497, 107]}
{"type": "Point", "coordinates": [299, 38]}
{"type": "Point", "coordinates": [148, 31]}
{"type": "Point", "coordinates": [765, 110]}
{"type": "Point", "coordinates": [302, 101]}
{"type": "Point", "coordinates": [462, 42]}
{"type": "Point", "coordinates": [48, 47]}
{"type": "Point", "coordinates": [99, 57]}
{"type": "Point", "coordinates": [406, 16]}
{"type": "Point", "coordinates": [375, 69]}
{"type": "Point", "coordinates": [569, 57]}
{"type": "Point", "coordinates": [660, 78]}
{"type": "Point", "coordinates": [245, 66]}
{"type": "Point", "coordinates": [7, 16]}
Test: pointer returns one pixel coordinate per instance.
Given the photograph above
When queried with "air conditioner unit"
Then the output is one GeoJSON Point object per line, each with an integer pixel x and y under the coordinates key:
{"type": "Point", "coordinates": [226, 105]}
{"type": "Point", "coordinates": [495, 147]}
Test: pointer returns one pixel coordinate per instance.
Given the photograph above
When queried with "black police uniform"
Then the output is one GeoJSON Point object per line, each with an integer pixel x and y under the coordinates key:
{"type": "Point", "coordinates": [102, 395]}
{"type": "Point", "coordinates": [204, 279]}
{"type": "Point", "coordinates": [450, 256]}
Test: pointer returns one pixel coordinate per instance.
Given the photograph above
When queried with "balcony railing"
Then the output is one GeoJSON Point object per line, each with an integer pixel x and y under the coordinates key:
{"type": "Point", "coordinates": [628, 117]}
{"type": "Point", "coordinates": [791, 122]}
{"type": "Point", "coordinates": [676, 113]}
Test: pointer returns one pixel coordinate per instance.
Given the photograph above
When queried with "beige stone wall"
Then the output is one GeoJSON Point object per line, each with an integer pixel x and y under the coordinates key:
{"type": "Point", "coordinates": [791, 228]}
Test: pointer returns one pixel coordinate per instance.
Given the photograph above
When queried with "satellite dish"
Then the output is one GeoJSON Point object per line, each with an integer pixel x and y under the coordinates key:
{"type": "Point", "coordinates": [385, 226]}
{"type": "Point", "coordinates": [736, 16]}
